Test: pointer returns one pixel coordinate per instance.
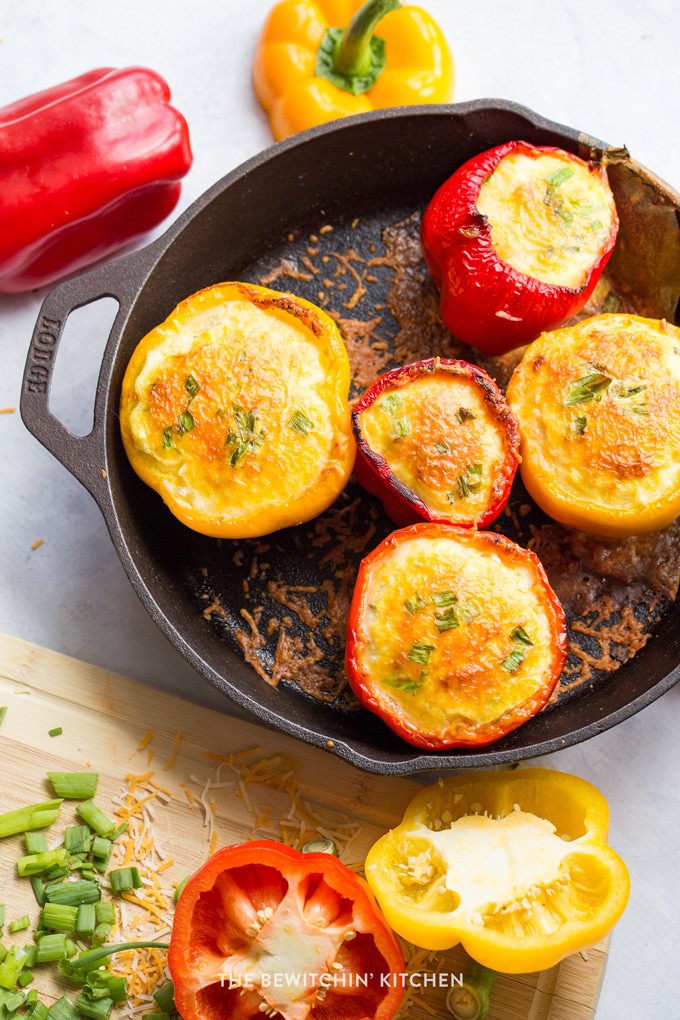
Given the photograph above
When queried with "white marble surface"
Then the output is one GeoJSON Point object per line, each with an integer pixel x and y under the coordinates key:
{"type": "Point", "coordinates": [609, 68]}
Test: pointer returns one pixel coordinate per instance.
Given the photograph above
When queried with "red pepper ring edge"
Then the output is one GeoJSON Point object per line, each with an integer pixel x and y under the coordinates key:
{"type": "Point", "coordinates": [283, 858]}
{"type": "Point", "coordinates": [374, 473]}
{"type": "Point", "coordinates": [509, 308]}
{"type": "Point", "coordinates": [370, 700]}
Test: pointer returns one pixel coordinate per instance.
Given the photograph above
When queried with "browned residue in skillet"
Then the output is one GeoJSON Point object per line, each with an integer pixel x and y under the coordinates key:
{"type": "Point", "coordinates": [612, 591]}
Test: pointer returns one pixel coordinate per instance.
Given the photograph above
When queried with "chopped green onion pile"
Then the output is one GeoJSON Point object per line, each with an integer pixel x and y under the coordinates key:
{"type": "Point", "coordinates": [74, 785]}
{"type": "Point", "coordinates": [71, 907]}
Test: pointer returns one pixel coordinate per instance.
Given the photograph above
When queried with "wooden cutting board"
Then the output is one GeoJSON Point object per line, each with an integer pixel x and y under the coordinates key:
{"type": "Point", "coordinates": [257, 778]}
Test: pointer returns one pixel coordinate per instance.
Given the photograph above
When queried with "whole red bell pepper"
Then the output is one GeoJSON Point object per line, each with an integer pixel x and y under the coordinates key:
{"type": "Point", "coordinates": [86, 167]}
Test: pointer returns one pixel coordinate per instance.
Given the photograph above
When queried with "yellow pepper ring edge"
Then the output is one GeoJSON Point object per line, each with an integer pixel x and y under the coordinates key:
{"type": "Point", "coordinates": [493, 949]}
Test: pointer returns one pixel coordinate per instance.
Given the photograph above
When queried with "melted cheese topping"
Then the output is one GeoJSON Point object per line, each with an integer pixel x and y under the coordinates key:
{"type": "Point", "coordinates": [551, 217]}
{"type": "Point", "coordinates": [438, 629]}
{"type": "Point", "coordinates": [442, 441]}
{"type": "Point", "coordinates": [234, 410]}
{"type": "Point", "coordinates": [599, 412]}
{"type": "Point", "coordinates": [490, 861]}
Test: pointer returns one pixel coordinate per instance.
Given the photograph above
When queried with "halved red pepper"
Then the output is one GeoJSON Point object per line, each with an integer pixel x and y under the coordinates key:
{"type": "Point", "coordinates": [264, 929]}
{"type": "Point", "coordinates": [558, 220]}
{"type": "Point", "coordinates": [86, 167]}
{"type": "Point", "coordinates": [436, 441]}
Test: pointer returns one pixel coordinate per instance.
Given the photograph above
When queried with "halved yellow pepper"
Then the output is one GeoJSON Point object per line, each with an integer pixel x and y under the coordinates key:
{"type": "Point", "coordinates": [309, 71]}
{"type": "Point", "coordinates": [513, 865]}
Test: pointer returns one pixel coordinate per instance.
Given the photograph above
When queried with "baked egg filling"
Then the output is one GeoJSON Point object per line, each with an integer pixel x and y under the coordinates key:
{"type": "Point", "coordinates": [550, 219]}
{"type": "Point", "coordinates": [599, 412]}
{"type": "Point", "coordinates": [441, 440]}
{"type": "Point", "coordinates": [231, 411]}
{"type": "Point", "coordinates": [454, 636]}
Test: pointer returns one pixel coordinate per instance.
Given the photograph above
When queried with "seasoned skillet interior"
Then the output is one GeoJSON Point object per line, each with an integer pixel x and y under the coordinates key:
{"type": "Point", "coordinates": [267, 616]}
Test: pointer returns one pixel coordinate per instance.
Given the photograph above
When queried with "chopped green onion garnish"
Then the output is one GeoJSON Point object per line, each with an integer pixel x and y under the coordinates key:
{"type": "Point", "coordinates": [38, 891]}
{"type": "Point", "coordinates": [77, 839]}
{"type": "Point", "coordinates": [63, 1009]}
{"type": "Point", "coordinates": [35, 864]}
{"type": "Point", "coordinates": [104, 912]}
{"type": "Point", "coordinates": [37, 816]}
{"type": "Point", "coordinates": [100, 934]}
{"type": "Point", "coordinates": [58, 917]}
{"type": "Point", "coordinates": [463, 487]}
{"type": "Point", "coordinates": [96, 819]}
{"type": "Point", "coordinates": [101, 847]}
{"type": "Point", "coordinates": [25, 978]}
{"type": "Point", "coordinates": [403, 683]}
{"type": "Point", "coordinates": [157, 1016]}
{"type": "Point", "coordinates": [20, 924]}
{"type": "Point", "coordinates": [125, 879]}
{"type": "Point", "coordinates": [51, 948]}
{"type": "Point", "coordinates": [73, 893]}
{"type": "Point", "coordinates": [448, 620]}
{"type": "Point", "coordinates": [402, 427]}
{"type": "Point", "coordinates": [56, 871]}
{"type": "Point", "coordinates": [86, 920]}
{"type": "Point", "coordinates": [444, 598]}
{"type": "Point", "coordinates": [114, 987]}
{"type": "Point", "coordinates": [421, 653]}
{"type": "Point", "coordinates": [520, 637]}
{"type": "Point", "coordinates": [191, 386]}
{"type": "Point", "coordinates": [38, 1012]}
{"type": "Point", "coordinates": [74, 785]}
{"type": "Point", "coordinates": [27, 955]}
{"type": "Point", "coordinates": [95, 1009]}
{"type": "Point", "coordinates": [186, 422]}
{"type": "Point", "coordinates": [588, 387]}
{"type": "Point", "coordinates": [391, 403]}
{"type": "Point", "coordinates": [463, 414]}
{"type": "Point", "coordinates": [180, 888]}
{"type": "Point", "coordinates": [442, 448]}
{"type": "Point", "coordinates": [56, 732]}
{"type": "Point", "coordinates": [119, 831]}
{"type": "Point", "coordinates": [415, 604]}
{"type": "Point", "coordinates": [165, 996]}
{"type": "Point", "coordinates": [31, 997]}
{"type": "Point", "coordinates": [301, 423]}
{"type": "Point", "coordinates": [10, 969]}
{"type": "Point", "coordinates": [167, 438]}
{"type": "Point", "coordinates": [580, 423]}
{"type": "Point", "coordinates": [559, 176]}
{"type": "Point", "coordinates": [10, 1002]}
{"type": "Point", "coordinates": [513, 661]}
{"type": "Point", "coordinates": [35, 843]}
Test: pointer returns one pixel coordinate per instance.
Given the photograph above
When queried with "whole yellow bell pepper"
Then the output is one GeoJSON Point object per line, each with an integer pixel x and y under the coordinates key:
{"type": "Point", "coordinates": [513, 865]}
{"type": "Point", "coordinates": [309, 69]}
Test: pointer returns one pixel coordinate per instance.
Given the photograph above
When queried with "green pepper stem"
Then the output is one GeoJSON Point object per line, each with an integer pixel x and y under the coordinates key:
{"type": "Point", "coordinates": [470, 1001]}
{"type": "Point", "coordinates": [353, 53]}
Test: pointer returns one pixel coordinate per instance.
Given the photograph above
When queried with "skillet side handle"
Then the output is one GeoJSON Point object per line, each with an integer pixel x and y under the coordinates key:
{"type": "Point", "coordinates": [83, 456]}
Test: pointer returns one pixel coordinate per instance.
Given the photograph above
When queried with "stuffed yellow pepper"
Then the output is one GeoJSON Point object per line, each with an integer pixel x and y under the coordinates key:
{"type": "Point", "coordinates": [235, 411]}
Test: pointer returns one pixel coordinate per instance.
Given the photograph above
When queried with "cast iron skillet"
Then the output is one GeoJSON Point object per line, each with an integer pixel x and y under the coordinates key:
{"type": "Point", "coordinates": [376, 167]}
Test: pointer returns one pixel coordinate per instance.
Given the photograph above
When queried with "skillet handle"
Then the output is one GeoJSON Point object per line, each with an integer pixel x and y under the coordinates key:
{"type": "Point", "coordinates": [83, 456]}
